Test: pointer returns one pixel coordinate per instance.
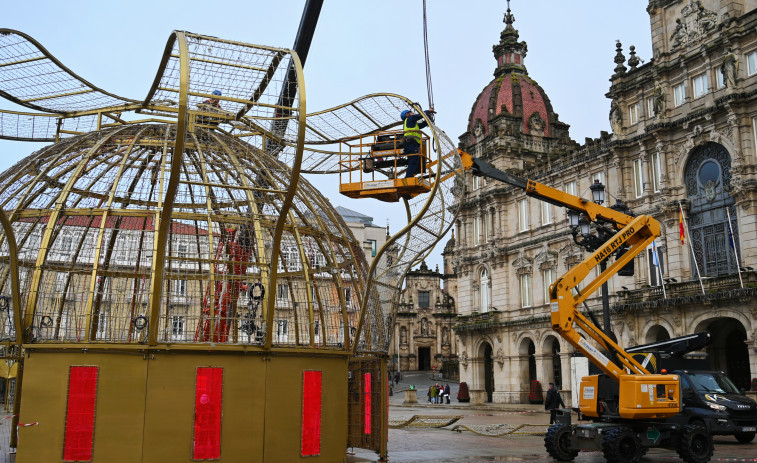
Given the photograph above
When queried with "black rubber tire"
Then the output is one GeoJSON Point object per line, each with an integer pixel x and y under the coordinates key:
{"type": "Point", "coordinates": [621, 445]}
{"type": "Point", "coordinates": [557, 442]}
{"type": "Point", "coordinates": [744, 437]}
{"type": "Point", "coordinates": [694, 444]}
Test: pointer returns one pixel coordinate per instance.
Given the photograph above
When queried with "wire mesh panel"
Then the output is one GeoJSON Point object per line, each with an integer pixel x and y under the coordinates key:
{"type": "Point", "coordinates": [85, 213]}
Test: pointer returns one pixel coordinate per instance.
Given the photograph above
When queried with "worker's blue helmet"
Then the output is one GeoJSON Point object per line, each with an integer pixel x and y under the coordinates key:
{"type": "Point", "coordinates": [404, 114]}
{"type": "Point", "coordinates": [217, 92]}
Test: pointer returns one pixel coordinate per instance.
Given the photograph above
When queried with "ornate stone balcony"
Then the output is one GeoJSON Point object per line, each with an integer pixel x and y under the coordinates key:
{"type": "Point", "coordinates": [687, 292]}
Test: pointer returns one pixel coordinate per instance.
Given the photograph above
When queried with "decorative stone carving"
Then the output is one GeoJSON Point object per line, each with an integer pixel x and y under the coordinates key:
{"type": "Point", "coordinates": [522, 265]}
{"type": "Point", "coordinates": [536, 123]}
{"type": "Point", "coordinates": [499, 337]}
{"type": "Point", "coordinates": [464, 360]}
{"type": "Point", "coordinates": [729, 69]}
{"type": "Point", "coordinates": [695, 22]}
{"type": "Point", "coordinates": [676, 321]}
{"type": "Point", "coordinates": [616, 117]}
{"type": "Point", "coordinates": [500, 357]}
{"type": "Point", "coordinates": [659, 101]}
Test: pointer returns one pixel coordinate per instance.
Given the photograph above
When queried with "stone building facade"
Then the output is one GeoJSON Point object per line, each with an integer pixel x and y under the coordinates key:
{"type": "Point", "coordinates": [423, 333]}
{"type": "Point", "coordinates": [684, 134]}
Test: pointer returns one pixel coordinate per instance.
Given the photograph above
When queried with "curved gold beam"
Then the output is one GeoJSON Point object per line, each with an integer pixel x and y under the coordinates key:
{"type": "Point", "coordinates": [163, 217]}
{"type": "Point", "coordinates": [284, 212]}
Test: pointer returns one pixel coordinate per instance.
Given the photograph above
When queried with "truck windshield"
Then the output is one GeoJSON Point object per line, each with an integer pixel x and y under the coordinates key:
{"type": "Point", "coordinates": [712, 382]}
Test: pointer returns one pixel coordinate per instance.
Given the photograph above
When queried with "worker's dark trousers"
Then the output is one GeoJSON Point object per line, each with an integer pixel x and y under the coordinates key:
{"type": "Point", "coordinates": [552, 414]}
{"type": "Point", "coordinates": [413, 162]}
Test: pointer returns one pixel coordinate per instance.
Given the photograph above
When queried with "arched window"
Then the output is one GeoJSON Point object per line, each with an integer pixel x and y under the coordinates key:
{"type": "Point", "coordinates": [715, 241]}
{"type": "Point", "coordinates": [485, 290]}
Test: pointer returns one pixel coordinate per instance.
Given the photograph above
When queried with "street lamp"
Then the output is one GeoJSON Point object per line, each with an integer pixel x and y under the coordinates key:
{"type": "Point", "coordinates": [581, 230]}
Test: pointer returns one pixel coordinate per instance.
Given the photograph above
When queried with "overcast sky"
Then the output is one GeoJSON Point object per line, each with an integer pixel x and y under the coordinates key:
{"type": "Point", "coordinates": [360, 47]}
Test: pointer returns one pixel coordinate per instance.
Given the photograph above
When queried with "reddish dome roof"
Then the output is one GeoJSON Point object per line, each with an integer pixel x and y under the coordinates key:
{"type": "Point", "coordinates": [515, 95]}
{"type": "Point", "coordinates": [512, 92]}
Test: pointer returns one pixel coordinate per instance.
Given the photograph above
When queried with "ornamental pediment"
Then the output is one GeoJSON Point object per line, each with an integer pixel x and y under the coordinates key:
{"type": "Point", "coordinates": [695, 22]}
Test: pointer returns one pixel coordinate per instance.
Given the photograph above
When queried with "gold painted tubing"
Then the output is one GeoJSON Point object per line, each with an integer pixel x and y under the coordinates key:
{"type": "Point", "coordinates": [283, 213]}
{"type": "Point", "coordinates": [164, 225]}
{"type": "Point", "coordinates": [15, 288]}
{"type": "Point", "coordinates": [16, 298]}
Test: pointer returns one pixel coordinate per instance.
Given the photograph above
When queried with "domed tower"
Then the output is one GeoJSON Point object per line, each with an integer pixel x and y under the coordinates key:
{"type": "Point", "coordinates": [513, 115]}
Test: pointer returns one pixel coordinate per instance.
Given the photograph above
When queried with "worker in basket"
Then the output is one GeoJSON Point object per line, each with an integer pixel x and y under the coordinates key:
{"type": "Point", "coordinates": [412, 124]}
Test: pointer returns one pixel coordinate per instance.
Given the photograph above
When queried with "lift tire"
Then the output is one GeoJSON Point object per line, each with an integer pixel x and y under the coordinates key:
{"type": "Point", "coordinates": [694, 444]}
{"type": "Point", "coordinates": [621, 445]}
{"type": "Point", "coordinates": [744, 437]}
{"type": "Point", "coordinates": [557, 441]}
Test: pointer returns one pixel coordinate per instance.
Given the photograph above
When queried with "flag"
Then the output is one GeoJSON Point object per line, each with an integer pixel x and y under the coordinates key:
{"type": "Point", "coordinates": [655, 259]}
{"type": "Point", "coordinates": [681, 230]}
{"type": "Point", "coordinates": [730, 237]}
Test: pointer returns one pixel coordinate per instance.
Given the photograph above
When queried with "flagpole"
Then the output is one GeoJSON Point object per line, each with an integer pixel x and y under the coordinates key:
{"type": "Point", "coordinates": [656, 261]}
{"type": "Point", "coordinates": [691, 246]}
{"type": "Point", "coordinates": [733, 245]}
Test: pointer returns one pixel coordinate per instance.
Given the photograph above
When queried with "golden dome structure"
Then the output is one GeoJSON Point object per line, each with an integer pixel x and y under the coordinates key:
{"type": "Point", "coordinates": [175, 289]}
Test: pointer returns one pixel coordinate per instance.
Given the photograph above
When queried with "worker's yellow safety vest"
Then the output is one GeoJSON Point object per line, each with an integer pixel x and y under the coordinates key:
{"type": "Point", "coordinates": [412, 132]}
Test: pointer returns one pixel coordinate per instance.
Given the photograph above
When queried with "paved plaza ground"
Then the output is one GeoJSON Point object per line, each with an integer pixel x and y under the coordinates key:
{"type": "Point", "coordinates": [443, 445]}
{"type": "Point", "coordinates": [407, 445]}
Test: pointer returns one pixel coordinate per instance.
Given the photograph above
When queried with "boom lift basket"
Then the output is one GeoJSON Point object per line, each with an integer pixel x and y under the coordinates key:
{"type": "Point", "coordinates": [373, 166]}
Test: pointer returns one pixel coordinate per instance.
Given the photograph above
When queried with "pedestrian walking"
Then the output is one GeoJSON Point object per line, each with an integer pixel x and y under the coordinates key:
{"type": "Point", "coordinates": [553, 402]}
{"type": "Point", "coordinates": [446, 392]}
{"type": "Point", "coordinates": [397, 377]}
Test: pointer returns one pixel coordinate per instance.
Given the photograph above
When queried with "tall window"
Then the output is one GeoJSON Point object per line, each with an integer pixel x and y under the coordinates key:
{"type": "Point", "coordinates": [700, 85]}
{"type": "Point", "coordinates": [751, 63]}
{"type": "Point", "coordinates": [485, 290]}
{"type": "Point", "coordinates": [720, 82]}
{"type": "Point", "coordinates": [547, 278]}
{"type": "Point", "coordinates": [679, 94]}
{"type": "Point", "coordinates": [180, 287]}
{"type": "Point", "coordinates": [373, 247]}
{"type": "Point", "coordinates": [424, 299]}
{"type": "Point", "coordinates": [488, 225]}
{"type": "Point", "coordinates": [177, 326]}
{"type": "Point", "coordinates": [633, 113]}
{"type": "Point", "coordinates": [282, 331]}
{"type": "Point", "coordinates": [546, 213]}
{"type": "Point", "coordinates": [66, 244]}
{"type": "Point", "coordinates": [523, 215]}
{"type": "Point", "coordinates": [477, 230]}
{"type": "Point", "coordinates": [650, 107]}
{"type": "Point", "coordinates": [571, 188]}
{"type": "Point", "coordinates": [638, 178]}
{"type": "Point", "coordinates": [525, 290]}
{"type": "Point", "coordinates": [476, 182]}
{"type": "Point", "coordinates": [656, 171]}
{"type": "Point", "coordinates": [282, 292]}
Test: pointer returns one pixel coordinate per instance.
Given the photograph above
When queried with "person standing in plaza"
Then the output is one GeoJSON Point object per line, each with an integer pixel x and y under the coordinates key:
{"type": "Point", "coordinates": [553, 402]}
{"type": "Point", "coordinates": [446, 392]}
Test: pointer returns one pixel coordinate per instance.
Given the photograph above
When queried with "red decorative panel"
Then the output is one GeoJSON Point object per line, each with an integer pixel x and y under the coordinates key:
{"type": "Point", "coordinates": [533, 102]}
{"type": "Point", "coordinates": [367, 411]}
{"type": "Point", "coordinates": [311, 412]}
{"type": "Point", "coordinates": [80, 413]}
{"type": "Point", "coordinates": [206, 444]}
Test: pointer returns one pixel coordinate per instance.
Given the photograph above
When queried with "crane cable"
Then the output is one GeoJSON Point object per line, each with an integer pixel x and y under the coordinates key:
{"type": "Point", "coordinates": [429, 87]}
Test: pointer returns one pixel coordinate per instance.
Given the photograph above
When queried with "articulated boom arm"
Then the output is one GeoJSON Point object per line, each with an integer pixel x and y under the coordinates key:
{"type": "Point", "coordinates": [634, 232]}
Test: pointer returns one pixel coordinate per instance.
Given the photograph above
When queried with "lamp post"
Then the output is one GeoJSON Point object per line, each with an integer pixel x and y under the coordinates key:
{"type": "Point", "coordinates": [581, 230]}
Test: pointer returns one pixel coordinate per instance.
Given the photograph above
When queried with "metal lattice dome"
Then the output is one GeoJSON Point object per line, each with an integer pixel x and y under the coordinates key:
{"type": "Point", "coordinates": [86, 212]}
